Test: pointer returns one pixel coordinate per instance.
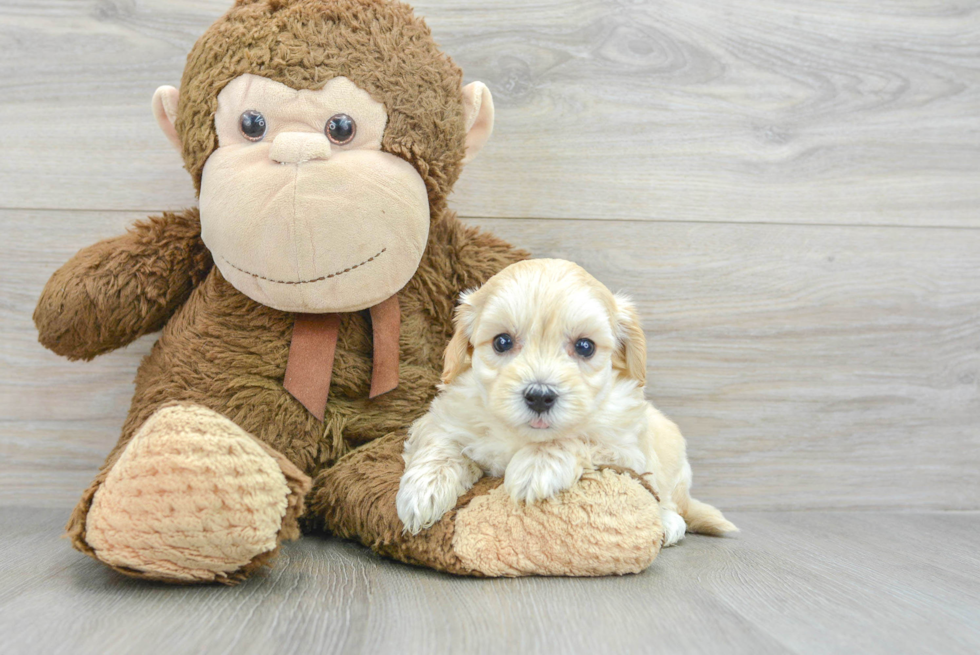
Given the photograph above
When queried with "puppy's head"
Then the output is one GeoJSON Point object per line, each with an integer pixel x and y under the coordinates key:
{"type": "Point", "coordinates": [546, 341]}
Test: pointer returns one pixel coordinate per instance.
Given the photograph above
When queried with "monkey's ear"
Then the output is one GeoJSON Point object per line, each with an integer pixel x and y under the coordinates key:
{"type": "Point", "coordinates": [478, 114]}
{"type": "Point", "coordinates": [457, 357]}
{"type": "Point", "coordinates": [165, 110]}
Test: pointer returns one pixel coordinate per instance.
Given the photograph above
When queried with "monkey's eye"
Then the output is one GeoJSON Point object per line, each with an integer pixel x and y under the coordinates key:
{"type": "Point", "coordinates": [252, 125]}
{"type": "Point", "coordinates": [502, 343]}
{"type": "Point", "coordinates": [585, 348]}
{"type": "Point", "coordinates": [340, 129]}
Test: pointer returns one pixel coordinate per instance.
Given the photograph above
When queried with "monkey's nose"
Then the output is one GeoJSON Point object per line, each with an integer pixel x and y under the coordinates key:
{"type": "Point", "coordinates": [540, 397]}
{"type": "Point", "coordinates": [299, 147]}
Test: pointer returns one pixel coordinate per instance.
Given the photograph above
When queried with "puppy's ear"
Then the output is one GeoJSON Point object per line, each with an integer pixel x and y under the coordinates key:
{"type": "Point", "coordinates": [632, 354]}
{"type": "Point", "coordinates": [457, 357]}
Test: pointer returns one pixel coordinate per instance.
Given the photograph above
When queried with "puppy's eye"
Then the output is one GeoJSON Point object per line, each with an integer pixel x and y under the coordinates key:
{"type": "Point", "coordinates": [340, 129]}
{"type": "Point", "coordinates": [252, 124]}
{"type": "Point", "coordinates": [585, 348]}
{"type": "Point", "coordinates": [502, 343]}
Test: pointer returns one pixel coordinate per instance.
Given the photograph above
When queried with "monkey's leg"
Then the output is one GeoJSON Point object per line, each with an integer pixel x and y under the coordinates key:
{"type": "Point", "coordinates": [191, 498]}
{"type": "Point", "coordinates": [607, 523]}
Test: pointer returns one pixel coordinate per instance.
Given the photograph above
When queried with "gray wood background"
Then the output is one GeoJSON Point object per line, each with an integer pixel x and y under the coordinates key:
{"type": "Point", "coordinates": [791, 194]}
{"type": "Point", "coordinates": [790, 189]}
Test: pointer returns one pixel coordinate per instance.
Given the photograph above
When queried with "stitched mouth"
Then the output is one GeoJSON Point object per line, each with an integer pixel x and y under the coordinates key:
{"type": "Point", "coordinates": [319, 279]}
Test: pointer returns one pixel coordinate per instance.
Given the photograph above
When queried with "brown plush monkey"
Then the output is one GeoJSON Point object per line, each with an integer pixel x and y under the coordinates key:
{"type": "Point", "coordinates": [305, 308]}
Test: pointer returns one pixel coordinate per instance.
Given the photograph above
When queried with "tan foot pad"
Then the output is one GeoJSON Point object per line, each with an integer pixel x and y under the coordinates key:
{"type": "Point", "coordinates": [192, 498]}
{"type": "Point", "coordinates": [608, 523]}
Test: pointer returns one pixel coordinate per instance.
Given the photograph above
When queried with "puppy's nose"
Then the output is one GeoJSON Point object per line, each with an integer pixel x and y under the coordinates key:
{"type": "Point", "coordinates": [540, 398]}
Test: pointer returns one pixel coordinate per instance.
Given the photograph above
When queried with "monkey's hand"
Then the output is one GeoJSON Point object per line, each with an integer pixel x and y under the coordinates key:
{"type": "Point", "coordinates": [117, 290]}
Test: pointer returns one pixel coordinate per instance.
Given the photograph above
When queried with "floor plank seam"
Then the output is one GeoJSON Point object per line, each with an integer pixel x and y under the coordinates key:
{"type": "Point", "coordinates": [610, 221]}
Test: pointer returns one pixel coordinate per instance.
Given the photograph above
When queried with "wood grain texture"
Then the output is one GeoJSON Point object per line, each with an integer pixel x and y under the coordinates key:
{"type": "Point", "coordinates": [735, 164]}
{"type": "Point", "coordinates": [809, 366]}
{"type": "Point", "coordinates": [771, 111]}
{"type": "Point", "coordinates": [789, 583]}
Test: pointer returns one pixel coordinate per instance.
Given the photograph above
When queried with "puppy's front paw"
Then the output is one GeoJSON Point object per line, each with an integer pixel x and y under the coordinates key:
{"type": "Point", "coordinates": [423, 498]}
{"type": "Point", "coordinates": [539, 472]}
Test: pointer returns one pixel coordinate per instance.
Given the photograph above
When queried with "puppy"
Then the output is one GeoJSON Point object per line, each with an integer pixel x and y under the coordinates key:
{"type": "Point", "coordinates": [543, 380]}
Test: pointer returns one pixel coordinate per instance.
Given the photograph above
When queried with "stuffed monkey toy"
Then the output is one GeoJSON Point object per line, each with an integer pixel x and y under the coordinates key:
{"type": "Point", "coordinates": [304, 308]}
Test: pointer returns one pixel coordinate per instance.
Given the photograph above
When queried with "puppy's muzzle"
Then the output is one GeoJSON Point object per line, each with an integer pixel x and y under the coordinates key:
{"type": "Point", "coordinates": [539, 398]}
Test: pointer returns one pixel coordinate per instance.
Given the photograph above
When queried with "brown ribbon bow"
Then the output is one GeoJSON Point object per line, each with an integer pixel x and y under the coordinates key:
{"type": "Point", "coordinates": [314, 344]}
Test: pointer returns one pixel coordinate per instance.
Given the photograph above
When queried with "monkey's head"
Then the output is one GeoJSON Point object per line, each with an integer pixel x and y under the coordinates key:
{"type": "Point", "coordinates": [322, 136]}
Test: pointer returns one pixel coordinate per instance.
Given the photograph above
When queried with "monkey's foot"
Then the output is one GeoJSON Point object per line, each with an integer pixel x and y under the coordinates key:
{"type": "Point", "coordinates": [607, 523]}
{"type": "Point", "coordinates": [192, 498]}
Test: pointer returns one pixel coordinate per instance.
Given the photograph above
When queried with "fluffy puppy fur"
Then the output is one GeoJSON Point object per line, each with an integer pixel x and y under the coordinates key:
{"type": "Point", "coordinates": [543, 380]}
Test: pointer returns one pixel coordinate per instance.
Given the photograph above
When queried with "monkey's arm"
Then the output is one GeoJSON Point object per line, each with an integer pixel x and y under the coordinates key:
{"type": "Point", "coordinates": [117, 290]}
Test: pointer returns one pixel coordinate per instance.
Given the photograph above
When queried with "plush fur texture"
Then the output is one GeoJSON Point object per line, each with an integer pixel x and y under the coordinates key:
{"type": "Point", "coordinates": [379, 45]}
{"type": "Point", "coordinates": [117, 290]}
{"type": "Point", "coordinates": [226, 354]}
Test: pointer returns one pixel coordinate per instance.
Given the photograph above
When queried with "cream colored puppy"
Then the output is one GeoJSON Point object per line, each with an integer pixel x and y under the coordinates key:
{"type": "Point", "coordinates": [543, 380]}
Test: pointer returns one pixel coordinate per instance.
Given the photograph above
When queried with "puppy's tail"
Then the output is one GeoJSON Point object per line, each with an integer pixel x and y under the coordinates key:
{"type": "Point", "coordinates": [705, 519]}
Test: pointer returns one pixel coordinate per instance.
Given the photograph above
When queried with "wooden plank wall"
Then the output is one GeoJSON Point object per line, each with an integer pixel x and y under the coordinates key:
{"type": "Point", "coordinates": [790, 190]}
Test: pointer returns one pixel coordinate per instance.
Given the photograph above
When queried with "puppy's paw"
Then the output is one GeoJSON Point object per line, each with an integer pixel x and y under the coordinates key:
{"type": "Point", "coordinates": [539, 472]}
{"type": "Point", "coordinates": [424, 497]}
{"type": "Point", "coordinates": [674, 526]}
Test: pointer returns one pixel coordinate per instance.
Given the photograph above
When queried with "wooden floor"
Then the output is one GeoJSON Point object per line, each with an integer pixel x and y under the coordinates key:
{"type": "Point", "coordinates": [792, 582]}
{"type": "Point", "coordinates": [789, 190]}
